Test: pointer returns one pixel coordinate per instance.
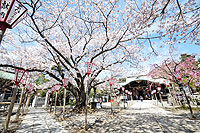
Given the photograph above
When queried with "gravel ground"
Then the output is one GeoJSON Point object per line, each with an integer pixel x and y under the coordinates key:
{"type": "Point", "coordinates": [140, 117]}
{"type": "Point", "coordinates": [12, 125]}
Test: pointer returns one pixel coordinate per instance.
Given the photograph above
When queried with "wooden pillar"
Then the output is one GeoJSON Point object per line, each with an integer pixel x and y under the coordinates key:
{"type": "Point", "coordinates": [20, 104]}
{"type": "Point", "coordinates": [64, 102]}
{"type": "Point", "coordinates": [10, 109]}
{"type": "Point", "coordinates": [55, 102]}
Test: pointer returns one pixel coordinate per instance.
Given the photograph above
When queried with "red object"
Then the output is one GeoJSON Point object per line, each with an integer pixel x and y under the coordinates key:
{"type": "Point", "coordinates": [65, 82]}
{"type": "Point", "coordinates": [123, 89]}
{"type": "Point", "coordinates": [167, 83]}
{"type": "Point", "coordinates": [88, 68]}
{"type": "Point", "coordinates": [19, 75]}
{"type": "Point", "coordinates": [57, 87]}
{"type": "Point", "coordinates": [52, 90]}
{"type": "Point", "coordinates": [12, 12]}
{"type": "Point", "coordinates": [111, 81]}
{"type": "Point", "coordinates": [159, 89]}
{"type": "Point", "coordinates": [28, 87]}
{"type": "Point", "coordinates": [24, 78]}
{"type": "Point", "coordinates": [178, 76]}
{"type": "Point", "coordinates": [129, 93]}
{"type": "Point", "coordinates": [153, 92]}
{"type": "Point", "coordinates": [150, 86]}
{"type": "Point", "coordinates": [31, 93]}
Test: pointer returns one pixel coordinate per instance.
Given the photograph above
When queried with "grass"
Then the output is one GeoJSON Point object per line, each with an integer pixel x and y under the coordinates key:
{"type": "Point", "coordinates": [187, 108]}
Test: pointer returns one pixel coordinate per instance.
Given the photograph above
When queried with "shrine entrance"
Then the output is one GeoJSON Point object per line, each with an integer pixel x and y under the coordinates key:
{"type": "Point", "coordinates": [141, 87]}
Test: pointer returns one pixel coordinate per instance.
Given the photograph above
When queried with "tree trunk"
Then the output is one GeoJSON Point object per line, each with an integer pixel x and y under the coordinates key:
{"type": "Point", "coordinates": [20, 104]}
{"type": "Point", "coordinates": [156, 99]}
{"type": "Point", "coordinates": [27, 103]}
{"type": "Point", "coordinates": [119, 98]}
{"type": "Point", "coordinates": [80, 101]}
{"type": "Point", "coordinates": [124, 100]}
{"type": "Point", "coordinates": [64, 102]}
{"type": "Point", "coordinates": [190, 89]}
{"type": "Point", "coordinates": [86, 103]}
{"type": "Point", "coordinates": [175, 97]}
{"type": "Point", "coordinates": [172, 97]}
{"type": "Point", "coordinates": [51, 101]}
{"type": "Point", "coordinates": [25, 99]}
{"type": "Point", "coordinates": [95, 91]}
{"type": "Point", "coordinates": [188, 102]}
{"type": "Point", "coordinates": [10, 109]}
{"type": "Point", "coordinates": [55, 102]}
{"type": "Point", "coordinates": [111, 101]}
{"type": "Point", "coordinates": [161, 99]}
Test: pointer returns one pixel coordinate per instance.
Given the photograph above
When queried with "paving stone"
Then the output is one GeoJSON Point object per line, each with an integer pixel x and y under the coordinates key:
{"type": "Point", "coordinates": [138, 117]}
{"type": "Point", "coordinates": [39, 120]}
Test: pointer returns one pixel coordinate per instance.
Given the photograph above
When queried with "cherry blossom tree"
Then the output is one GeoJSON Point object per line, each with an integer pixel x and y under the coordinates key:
{"type": "Point", "coordinates": [188, 70]}
{"type": "Point", "coordinates": [63, 35]}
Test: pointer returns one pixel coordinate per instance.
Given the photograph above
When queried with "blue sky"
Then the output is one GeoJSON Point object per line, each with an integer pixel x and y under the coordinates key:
{"type": "Point", "coordinates": [163, 53]}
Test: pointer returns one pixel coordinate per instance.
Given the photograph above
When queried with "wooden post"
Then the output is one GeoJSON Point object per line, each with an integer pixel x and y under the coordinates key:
{"type": "Point", "coordinates": [175, 97]}
{"type": "Point", "coordinates": [51, 99]}
{"type": "Point", "coordinates": [161, 99]}
{"type": "Point", "coordinates": [64, 102]}
{"type": "Point", "coordinates": [28, 102]}
{"type": "Point", "coordinates": [172, 97]}
{"type": "Point", "coordinates": [20, 104]}
{"type": "Point", "coordinates": [111, 101]}
{"type": "Point", "coordinates": [127, 99]}
{"type": "Point", "coordinates": [10, 109]}
{"type": "Point", "coordinates": [25, 99]}
{"type": "Point", "coordinates": [119, 98]}
{"type": "Point", "coordinates": [156, 99]}
{"type": "Point", "coordinates": [124, 100]}
{"type": "Point", "coordinates": [86, 103]}
{"type": "Point", "coordinates": [55, 102]}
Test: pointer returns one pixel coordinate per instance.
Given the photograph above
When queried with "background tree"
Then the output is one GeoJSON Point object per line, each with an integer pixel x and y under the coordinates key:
{"type": "Point", "coordinates": [187, 69]}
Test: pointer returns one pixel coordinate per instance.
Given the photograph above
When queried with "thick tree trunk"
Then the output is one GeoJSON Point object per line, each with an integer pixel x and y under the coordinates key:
{"type": "Point", "coordinates": [10, 109]}
{"type": "Point", "coordinates": [20, 104]}
{"type": "Point", "coordinates": [94, 96]}
{"type": "Point", "coordinates": [80, 101]}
